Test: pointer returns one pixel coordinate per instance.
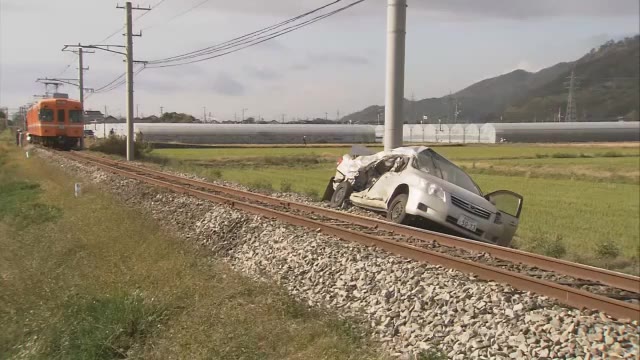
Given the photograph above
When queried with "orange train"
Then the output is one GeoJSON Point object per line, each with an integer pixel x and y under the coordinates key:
{"type": "Point", "coordinates": [55, 122]}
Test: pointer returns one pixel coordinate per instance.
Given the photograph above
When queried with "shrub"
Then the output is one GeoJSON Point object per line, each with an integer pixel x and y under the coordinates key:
{"type": "Point", "coordinates": [286, 186]}
{"type": "Point", "coordinates": [114, 145]}
{"type": "Point", "coordinates": [262, 184]}
{"type": "Point", "coordinates": [18, 203]}
{"type": "Point", "coordinates": [312, 193]}
{"type": "Point", "coordinates": [102, 328]}
{"type": "Point", "coordinates": [542, 156]}
{"type": "Point", "coordinates": [612, 154]}
{"type": "Point", "coordinates": [564, 156]}
{"type": "Point", "coordinates": [431, 355]}
{"type": "Point", "coordinates": [215, 173]}
{"type": "Point", "coordinates": [607, 250]}
{"type": "Point", "coordinates": [549, 246]}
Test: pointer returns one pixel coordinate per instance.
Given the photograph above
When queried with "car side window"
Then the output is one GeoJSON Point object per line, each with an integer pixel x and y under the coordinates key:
{"type": "Point", "coordinates": [507, 203]}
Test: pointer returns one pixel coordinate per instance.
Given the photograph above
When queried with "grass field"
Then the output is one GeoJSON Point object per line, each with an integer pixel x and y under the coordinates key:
{"type": "Point", "coordinates": [451, 152]}
{"type": "Point", "coordinates": [581, 202]}
{"type": "Point", "coordinates": [88, 278]}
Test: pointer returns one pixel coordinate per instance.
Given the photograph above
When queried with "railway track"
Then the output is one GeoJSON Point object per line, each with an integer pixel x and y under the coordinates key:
{"type": "Point", "coordinates": [570, 283]}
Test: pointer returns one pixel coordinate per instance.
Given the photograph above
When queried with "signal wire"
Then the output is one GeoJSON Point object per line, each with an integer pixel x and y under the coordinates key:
{"type": "Point", "coordinates": [115, 83]}
{"type": "Point", "coordinates": [137, 18]}
{"type": "Point", "coordinates": [179, 15]}
{"type": "Point", "coordinates": [246, 36]}
{"type": "Point", "coordinates": [248, 40]}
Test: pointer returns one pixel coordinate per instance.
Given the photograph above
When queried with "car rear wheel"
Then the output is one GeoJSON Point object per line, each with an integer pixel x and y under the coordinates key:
{"type": "Point", "coordinates": [397, 210]}
{"type": "Point", "coordinates": [341, 194]}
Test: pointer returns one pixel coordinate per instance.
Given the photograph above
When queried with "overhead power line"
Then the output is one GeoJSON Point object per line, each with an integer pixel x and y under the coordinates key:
{"type": "Point", "coordinates": [178, 15]}
{"type": "Point", "coordinates": [249, 35]}
{"type": "Point", "coordinates": [66, 68]}
{"type": "Point", "coordinates": [249, 40]}
{"type": "Point", "coordinates": [115, 83]}
{"type": "Point", "coordinates": [120, 29]}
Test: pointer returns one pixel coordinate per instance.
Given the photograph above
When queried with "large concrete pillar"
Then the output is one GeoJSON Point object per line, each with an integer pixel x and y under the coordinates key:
{"type": "Point", "coordinates": [396, 35]}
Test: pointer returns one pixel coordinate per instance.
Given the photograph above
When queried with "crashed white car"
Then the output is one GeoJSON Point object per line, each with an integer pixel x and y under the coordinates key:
{"type": "Point", "coordinates": [410, 183]}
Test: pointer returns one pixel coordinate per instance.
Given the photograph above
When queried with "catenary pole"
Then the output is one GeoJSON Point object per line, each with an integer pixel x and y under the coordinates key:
{"type": "Point", "coordinates": [129, 77]}
{"type": "Point", "coordinates": [130, 143]}
{"type": "Point", "coordinates": [396, 36]}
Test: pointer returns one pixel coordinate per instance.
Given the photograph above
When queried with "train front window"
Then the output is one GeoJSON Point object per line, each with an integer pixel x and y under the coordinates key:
{"type": "Point", "coordinates": [46, 115]}
{"type": "Point", "coordinates": [75, 116]}
{"type": "Point", "coordinates": [61, 116]}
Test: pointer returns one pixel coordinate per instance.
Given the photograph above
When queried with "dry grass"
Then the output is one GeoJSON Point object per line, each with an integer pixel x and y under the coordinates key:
{"type": "Point", "coordinates": [102, 281]}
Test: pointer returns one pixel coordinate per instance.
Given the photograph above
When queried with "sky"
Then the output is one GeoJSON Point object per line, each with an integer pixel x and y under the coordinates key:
{"type": "Point", "coordinates": [335, 65]}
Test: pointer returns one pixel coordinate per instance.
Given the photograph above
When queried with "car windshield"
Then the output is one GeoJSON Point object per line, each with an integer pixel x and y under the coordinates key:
{"type": "Point", "coordinates": [431, 162]}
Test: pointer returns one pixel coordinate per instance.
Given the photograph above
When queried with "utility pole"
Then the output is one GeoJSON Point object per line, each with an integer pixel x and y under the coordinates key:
{"type": "Point", "coordinates": [572, 111]}
{"type": "Point", "coordinates": [129, 54]}
{"type": "Point", "coordinates": [326, 116]}
{"type": "Point", "coordinates": [104, 123]}
{"type": "Point", "coordinates": [559, 113]}
{"type": "Point", "coordinates": [413, 108]}
{"type": "Point", "coordinates": [81, 69]}
{"type": "Point", "coordinates": [81, 80]}
{"type": "Point", "coordinates": [338, 116]}
{"type": "Point", "coordinates": [204, 112]}
{"type": "Point", "coordinates": [243, 110]}
{"type": "Point", "coordinates": [396, 36]}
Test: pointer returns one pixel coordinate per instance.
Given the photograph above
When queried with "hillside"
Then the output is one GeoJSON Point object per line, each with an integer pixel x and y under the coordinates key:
{"type": "Point", "coordinates": [608, 89]}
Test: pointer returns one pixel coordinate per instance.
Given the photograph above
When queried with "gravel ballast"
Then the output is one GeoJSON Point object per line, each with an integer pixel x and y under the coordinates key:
{"type": "Point", "coordinates": [410, 307]}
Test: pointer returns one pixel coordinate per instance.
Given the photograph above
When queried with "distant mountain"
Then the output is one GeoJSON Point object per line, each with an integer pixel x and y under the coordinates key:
{"type": "Point", "coordinates": [608, 88]}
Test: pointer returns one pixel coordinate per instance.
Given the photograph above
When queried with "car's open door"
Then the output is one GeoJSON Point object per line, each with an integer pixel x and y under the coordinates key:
{"type": "Point", "coordinates": [509, 205]}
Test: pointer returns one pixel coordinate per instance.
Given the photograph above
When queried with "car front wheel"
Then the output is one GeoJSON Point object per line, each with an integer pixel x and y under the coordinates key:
{"type": "Point", "coordinates": [397, 211]}
{"type": "Point", "coordinates": [342, 193]}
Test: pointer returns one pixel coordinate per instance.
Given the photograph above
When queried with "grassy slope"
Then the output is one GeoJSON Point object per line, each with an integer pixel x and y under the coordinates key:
{"type": "Point", "coordinates": [586, 203]}
{"type": "Point", "coordinates": [97, 280]}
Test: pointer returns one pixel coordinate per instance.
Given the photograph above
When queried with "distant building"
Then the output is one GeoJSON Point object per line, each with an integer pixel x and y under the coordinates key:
{"type": "Point", "coordinates": [111, 120]}
{"type": "Point", "coordinates": [148, 119]}
{"type": "Point", "coordinates": [93, 116]}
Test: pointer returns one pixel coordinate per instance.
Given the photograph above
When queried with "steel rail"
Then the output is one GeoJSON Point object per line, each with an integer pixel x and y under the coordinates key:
{"type": "Point", "coordinates": [603, 276]}
{"type": "Point", "coordinates": [566, 295]}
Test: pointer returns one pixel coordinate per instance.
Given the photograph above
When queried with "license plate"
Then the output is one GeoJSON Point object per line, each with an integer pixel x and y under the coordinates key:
{"type": "Point", "coordinates": [467, 223]}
